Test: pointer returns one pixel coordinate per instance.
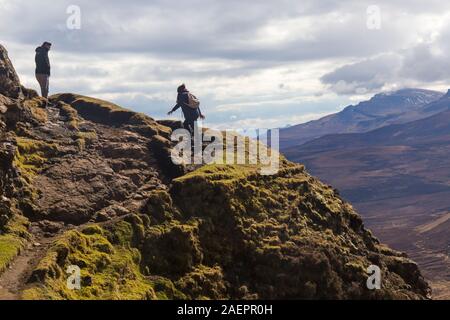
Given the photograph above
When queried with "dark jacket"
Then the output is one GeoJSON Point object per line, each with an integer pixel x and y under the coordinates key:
{"type": "Point", "coordinates": [42, 61]}
{"type": "Point", "coordinates": [182, 102]}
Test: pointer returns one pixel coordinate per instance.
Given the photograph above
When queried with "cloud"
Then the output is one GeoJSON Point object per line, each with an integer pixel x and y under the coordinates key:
{"type": "Point", "coordinates": [428, 62]}
{"type": "Point", "coordinates": [248, 61]}
{"type": "Point", "coordinates": [368, 75]}
{"type": "Point", "coordinates": [257, 30]}
{"type": "Point", "coordinates": [423, 64]}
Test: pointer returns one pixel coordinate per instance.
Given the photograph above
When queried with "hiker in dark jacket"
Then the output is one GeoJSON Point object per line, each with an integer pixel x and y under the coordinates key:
{"type": "Point", "coordinates": [43, 67]}
{"type": "Point", "coordinates": [190, 114]}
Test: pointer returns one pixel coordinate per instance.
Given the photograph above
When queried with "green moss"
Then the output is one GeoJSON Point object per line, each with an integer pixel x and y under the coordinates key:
{"type": "Point", "coordinates": [13, 240]}
{"type": "Point", "coordinates": [91, 136]}
{"type": "Point", "coordinates": [96, 109]}
{"type": "Point", "coordinates": [36, 106]}
{"type": "Point", "coordinates": [71, 115]}
{"type": "Point", "coordinates": [159, 207]}
{"type": "Point", "coordinates": [109, 113]}
{"type": "Point", "coordinates": [294, 234]}
{"type": "Point", "coordinates": [81, 144]}
{"type": "Point", "coordinates": [220, 172]}
{"type": "Point", "coordinates": [204, 283]}
{"type": "Point", "coordinates": [18, 226]}
{"type": "Point", "coordinates": [84, 139]}
{"type": "Point", "coordinates": [92, 229]}
{"type": "Point", "coordinates": [32, 155]}
{"type": "Point", "coordinates": [166, 290]}
{"type": "Point", "coordinates": [121, 233]}
{"type": "Point", "coordinates": [10, 246]}
{"type": "Point", "coordinates": [148, 126]}
{"type": "Point", "coordinates": [172, 249]}
{"type": "Point", "coordinates": [355, 267]}
{"type": "Point", "coordinates": [107, 271]}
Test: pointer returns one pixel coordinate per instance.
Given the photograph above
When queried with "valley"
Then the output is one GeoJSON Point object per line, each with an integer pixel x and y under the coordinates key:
{"type": "Point", "coordinates": [398, 177]}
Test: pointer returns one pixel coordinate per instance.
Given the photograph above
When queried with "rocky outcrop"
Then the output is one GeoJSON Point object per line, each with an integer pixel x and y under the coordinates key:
{"type": "Point", "coordinates": [100, 180]}
{"type": "Point", "coordinates": [9, 81]}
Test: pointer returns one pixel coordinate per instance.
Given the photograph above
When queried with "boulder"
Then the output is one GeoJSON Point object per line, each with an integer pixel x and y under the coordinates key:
{"type": "Point", "coordinates": [9, 81]}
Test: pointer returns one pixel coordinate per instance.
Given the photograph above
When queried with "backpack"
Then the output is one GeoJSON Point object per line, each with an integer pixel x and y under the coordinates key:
{"type": "Point", "coordinates": [193, 102]}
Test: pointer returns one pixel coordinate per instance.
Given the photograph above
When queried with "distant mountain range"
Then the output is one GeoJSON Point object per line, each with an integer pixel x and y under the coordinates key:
{"type": "Point", "coordinates": [397, 176]}
{"type": "Point", "coordinates": [383, 109]}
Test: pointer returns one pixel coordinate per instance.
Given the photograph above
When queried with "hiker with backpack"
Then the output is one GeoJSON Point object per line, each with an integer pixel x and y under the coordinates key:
{"type": "Point", "coordinates": [190, 106]}
{"type": "Point", "coordinates": [43, 67]}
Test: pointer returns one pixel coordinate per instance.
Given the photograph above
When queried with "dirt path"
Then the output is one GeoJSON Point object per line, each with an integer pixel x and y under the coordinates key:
{"type": "Point", "coordinates": [14, 280]}
{"type": "Point", "coordinates": [433, 224]}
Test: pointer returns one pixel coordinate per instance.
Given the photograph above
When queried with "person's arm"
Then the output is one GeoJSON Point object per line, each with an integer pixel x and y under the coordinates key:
{"type": "Point", "coordinates": [174, 109]}
{"type": "Point", "coordinates": [200, 113]}
{"type": "Point", "coordinates": [180, 99]}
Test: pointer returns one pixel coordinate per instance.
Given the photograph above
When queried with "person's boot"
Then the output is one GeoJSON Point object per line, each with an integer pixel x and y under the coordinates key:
{"type": "Point", "coordinates": [48, 103]}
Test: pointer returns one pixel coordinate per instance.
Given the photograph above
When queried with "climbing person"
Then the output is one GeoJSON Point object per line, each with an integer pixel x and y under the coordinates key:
{"type": "Point", "coordinates": [43, 67]}
{"type": "Point", "coordinates": [190, 106]}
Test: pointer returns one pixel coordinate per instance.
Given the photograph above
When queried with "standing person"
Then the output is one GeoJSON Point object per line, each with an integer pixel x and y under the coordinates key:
{"type": "Point", "coordinates": [190, 106]}
{"type": "Point", "coordinates": [43, 67]}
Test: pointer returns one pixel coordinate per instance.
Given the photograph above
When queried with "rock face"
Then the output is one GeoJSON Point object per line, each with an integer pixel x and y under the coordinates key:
{"type": "Point", "coordinates": [9, 81]}
{"type": "Point", "coordinates": [140, 227]}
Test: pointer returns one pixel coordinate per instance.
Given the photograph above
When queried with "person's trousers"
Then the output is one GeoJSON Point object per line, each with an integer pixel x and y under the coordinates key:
{"type": "Point", "coordinates": [43, 80]}
{"type": "Point", "coordinates": [189, 125]}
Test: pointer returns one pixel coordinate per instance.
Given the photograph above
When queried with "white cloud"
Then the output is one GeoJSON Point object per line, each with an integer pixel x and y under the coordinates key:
{"type": "Point", "coordinates": [426, 64]}
{"type": "Point", "coordinates": [249, 62]}
{"type": "Point", "coordinates": [368, 75]}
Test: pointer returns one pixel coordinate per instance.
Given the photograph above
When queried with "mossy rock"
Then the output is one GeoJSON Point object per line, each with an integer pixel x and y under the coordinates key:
{"type": "Point", "coordinates": [32, 156]}
{"type": "Point", "coordinates": [10, 246]}
{"type": "Point", "coordinates": [166, 290]}
{"type": "Point", "coordinates": [204, 283]}
{"type": "Point", "coordinates": [95, 109]}
{"type": "Point", "coordinates": [37, 109]}
{"type": "Point", "coordinates": [13, 239]}
{"type": "Point", "coordinates": [70, 114]}
{"type": "Point", "coordinates": [159, 207]}
{"type": "Point", "coordinates": [108, 271]}
{"type": "Point", "coordinates": [172, 249]}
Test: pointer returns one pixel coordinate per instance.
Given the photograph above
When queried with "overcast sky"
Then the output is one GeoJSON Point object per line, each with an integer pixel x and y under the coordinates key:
{"type": "Point", "coordinates": [253, 64]}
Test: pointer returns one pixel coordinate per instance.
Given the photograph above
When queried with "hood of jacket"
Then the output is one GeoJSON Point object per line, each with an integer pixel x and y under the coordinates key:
{"type": "Point", "coordinates": [41, 49]}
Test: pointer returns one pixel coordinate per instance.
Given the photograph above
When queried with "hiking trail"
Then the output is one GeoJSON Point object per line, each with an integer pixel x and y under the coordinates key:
{"type": "Point", "coordinates": [14, 280]}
